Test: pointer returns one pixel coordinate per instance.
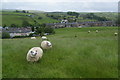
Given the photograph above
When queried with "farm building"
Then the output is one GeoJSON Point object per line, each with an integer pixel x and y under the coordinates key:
{"type": "Point", "coordinates": [17, 31]}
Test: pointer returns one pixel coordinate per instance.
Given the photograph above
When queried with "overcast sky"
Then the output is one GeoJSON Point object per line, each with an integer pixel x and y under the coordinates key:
{"type": "Point", "coordinates": [63, 5]}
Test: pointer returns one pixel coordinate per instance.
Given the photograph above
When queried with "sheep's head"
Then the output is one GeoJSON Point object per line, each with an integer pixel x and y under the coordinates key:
{"type": "Point", "coordinates": [33, 53]}
{"type": "Point", "coordinates": [49, 44]}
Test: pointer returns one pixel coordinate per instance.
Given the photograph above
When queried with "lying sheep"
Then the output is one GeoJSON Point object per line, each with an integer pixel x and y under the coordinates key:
{"type": "Point", "coordinates": [33, 37]}
{"type": "Point", "coordinates": [80, 27]}
{"type": "Point", "coordinates": [34, 54]}
{"type": "Point", "coordinates": [46, 45]}
{"type": "Point", "coordinates": [115, 33]}
{"type": "Point", "coordinates": [44, 38]}
{"type": "Point", "coordinates": [96, 31]}
{"type": "Point", "coordinates": [89, 31]}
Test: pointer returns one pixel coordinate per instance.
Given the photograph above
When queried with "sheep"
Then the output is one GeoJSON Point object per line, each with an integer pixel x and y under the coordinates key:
{"type": "Point", "coordinates": [44, 38]}
{"type": "Point", "coordinates": [115, 33]}
{"type": "Point", "coordinates": [46, 44]}
{"type": "Point", "coordinates": [33, 37]}
{"type": "Point", "coordinates": [79, 27]}
{"type": "Point", "coordinates": [34, 54]}
{"type": "Point", "coordinates": [89, 31]}
{"type": "Point", "coordinates": [96, 31]}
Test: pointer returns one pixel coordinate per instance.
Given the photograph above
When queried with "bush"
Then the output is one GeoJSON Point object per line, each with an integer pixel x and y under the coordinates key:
{"type": "Point", "coordinates": [13, 25]}
{"type": "Point", "coordinates": [20, 36]}
{"type": "Point", "coordinates": [31, 35]}
{"type": "Point", "coordinates": [49, 30]}
{"type": "Point", "coordinates": [39, 17]}
{"type": "Point", "coordinates": [5, 35]}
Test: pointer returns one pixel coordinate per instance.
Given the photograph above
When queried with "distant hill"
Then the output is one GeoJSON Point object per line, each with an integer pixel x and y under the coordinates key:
{"type": "Point", "coordinates": [10, 17]}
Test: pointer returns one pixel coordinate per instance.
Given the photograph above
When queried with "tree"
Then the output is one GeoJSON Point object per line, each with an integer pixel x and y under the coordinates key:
{"type": "Point", "coordinates": [43, 29]}
{"type": "Point", "coordinates": [40, 29]}
{"type": "Point", "coordinates": [24, 11]}
{"type": "Point", "coordinates": [39, 17]}
{"type": "Point", "coordinates": [13, 25]}
{"type": "Point", "coordinates": [73, 14]}
{"type": "Point", "coordinates": [4, 25]}
{"type": "Point", "coordinates": [17, 11]}
{"type": "Point", "coordinates": [49, 30]}
{"type": "Point", "coordinates": [5, 35]}
{"type": "Point", "coordinates": [32, 28]}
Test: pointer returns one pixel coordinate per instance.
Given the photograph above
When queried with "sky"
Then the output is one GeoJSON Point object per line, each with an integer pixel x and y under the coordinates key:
{"type": "Point", "coordinates": [63, 5]}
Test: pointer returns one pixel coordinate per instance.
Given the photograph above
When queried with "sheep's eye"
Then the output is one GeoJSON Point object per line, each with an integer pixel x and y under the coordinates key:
{"type": "Point", "coordinates": [31, 51]}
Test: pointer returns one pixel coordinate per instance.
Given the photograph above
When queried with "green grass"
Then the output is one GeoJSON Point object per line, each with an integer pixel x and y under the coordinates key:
{"type": "Point", "coordinates": [89, 55]}
{"type": "Point", "coordinates": [15, 19]}
{"type": "Point", "coordinates": [9, 18]}
{"type": "Point", "coordinates": [44, 19]}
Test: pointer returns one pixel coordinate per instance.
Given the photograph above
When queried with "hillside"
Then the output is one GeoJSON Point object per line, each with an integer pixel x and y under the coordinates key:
{"type": "Point", "coordinates": [9, 18]}
{"type": "Point", "coordinates": [33, 17]}
{"type": "Point", "coordinates": [89, 55]}
{"type": "Point", "coordinates": [84, 16]}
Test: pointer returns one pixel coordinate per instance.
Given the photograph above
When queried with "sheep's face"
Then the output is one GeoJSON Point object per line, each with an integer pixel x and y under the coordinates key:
{"type": "Point", "coordinates": [33, 53]}
{"type": "Point", "coordinates": [49, 44]}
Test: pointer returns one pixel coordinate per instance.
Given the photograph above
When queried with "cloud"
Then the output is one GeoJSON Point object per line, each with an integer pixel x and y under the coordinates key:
{"type": "Point", "coordinates": [63, 6]}
{"type": "Point", "coordinates": [60, 0]}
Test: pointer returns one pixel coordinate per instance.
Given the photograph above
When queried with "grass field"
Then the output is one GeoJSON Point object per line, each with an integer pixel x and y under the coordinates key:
{"type": "Point", "coordinates": [89, 55]}
{"type": "Point", "coordinates": [9, 18]}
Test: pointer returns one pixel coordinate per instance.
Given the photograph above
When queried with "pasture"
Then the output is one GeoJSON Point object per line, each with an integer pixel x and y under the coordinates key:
{"type": "Point", "coordinates": [88, 55]}
{"type": "Point", "coordinates": [9, 18]}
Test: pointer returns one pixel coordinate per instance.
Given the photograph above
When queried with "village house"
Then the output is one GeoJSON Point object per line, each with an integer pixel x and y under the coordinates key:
{"type": "Point", "coordinates": [82, 24]}
{"type": "Point", "coordinates": [64, 21]}
{"type": "Point", "coordinates": [17, 31]}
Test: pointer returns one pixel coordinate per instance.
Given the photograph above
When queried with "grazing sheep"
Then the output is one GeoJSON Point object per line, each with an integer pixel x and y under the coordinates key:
{"type": "Point", "coordinates": [115, 33]}
{"type": "Point", "coordinates": [89, 31]}
{"type": "Point", "coordinates": [44, 38]}
{"type": "Point", "coordinates": [34, 54]}
{"type": "Point", "coordinates": [96, 31]}
{"type": "Point", "coordinates": [46, 45]}
{"type": "Point", "coordinates": [33, 37]}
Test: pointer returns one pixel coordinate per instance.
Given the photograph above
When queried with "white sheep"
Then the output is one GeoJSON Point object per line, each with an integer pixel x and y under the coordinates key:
{"type": "Point", "coordinates": [96, 31]}
{"type": "Point", "coordinates": [46, 45]}
{"type": "Point", "coordinates": [34, 54]}
{"type": "Point", "coordinates": [89, 31]}
{"type": "Point", "coordinates": [44, 38]}
{"type": "Point", "coordinates": [79, 27]}
{"type": "Point", "coordinates": [33, 37]}
{"type": "Point", "coordinates": [115, 33]}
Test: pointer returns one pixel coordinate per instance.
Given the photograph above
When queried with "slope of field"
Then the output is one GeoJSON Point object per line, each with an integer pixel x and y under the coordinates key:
{"type": "Point", "coordinates": [109, 15]}
{"type": "Point", "coordinates": [15, 19]}
{"type": "Point", "coordinates": [89, 55]}
{"type": "Point", "coordinates": [9, 18]}
{"type": "Point", "coordinates": [44, 19]}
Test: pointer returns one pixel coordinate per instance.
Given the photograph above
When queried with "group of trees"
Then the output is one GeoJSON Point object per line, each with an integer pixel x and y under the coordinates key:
{"type": "Point", "coordinates": [93, 16]}
{"type": "Point", "coordinates": [23, 11]}
{"type": "Point", "coordinates": [57, 17]}
{"type": "Point", "coordinates": [5, 35]}
{"type": "Point", "coordinates": [73, 14]}
{"type": "Point", "coordinates": [41, 29]}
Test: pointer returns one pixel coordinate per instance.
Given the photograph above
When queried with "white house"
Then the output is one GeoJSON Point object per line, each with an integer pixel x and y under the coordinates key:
{"type": "Point", "coordinates": [18, 31]}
